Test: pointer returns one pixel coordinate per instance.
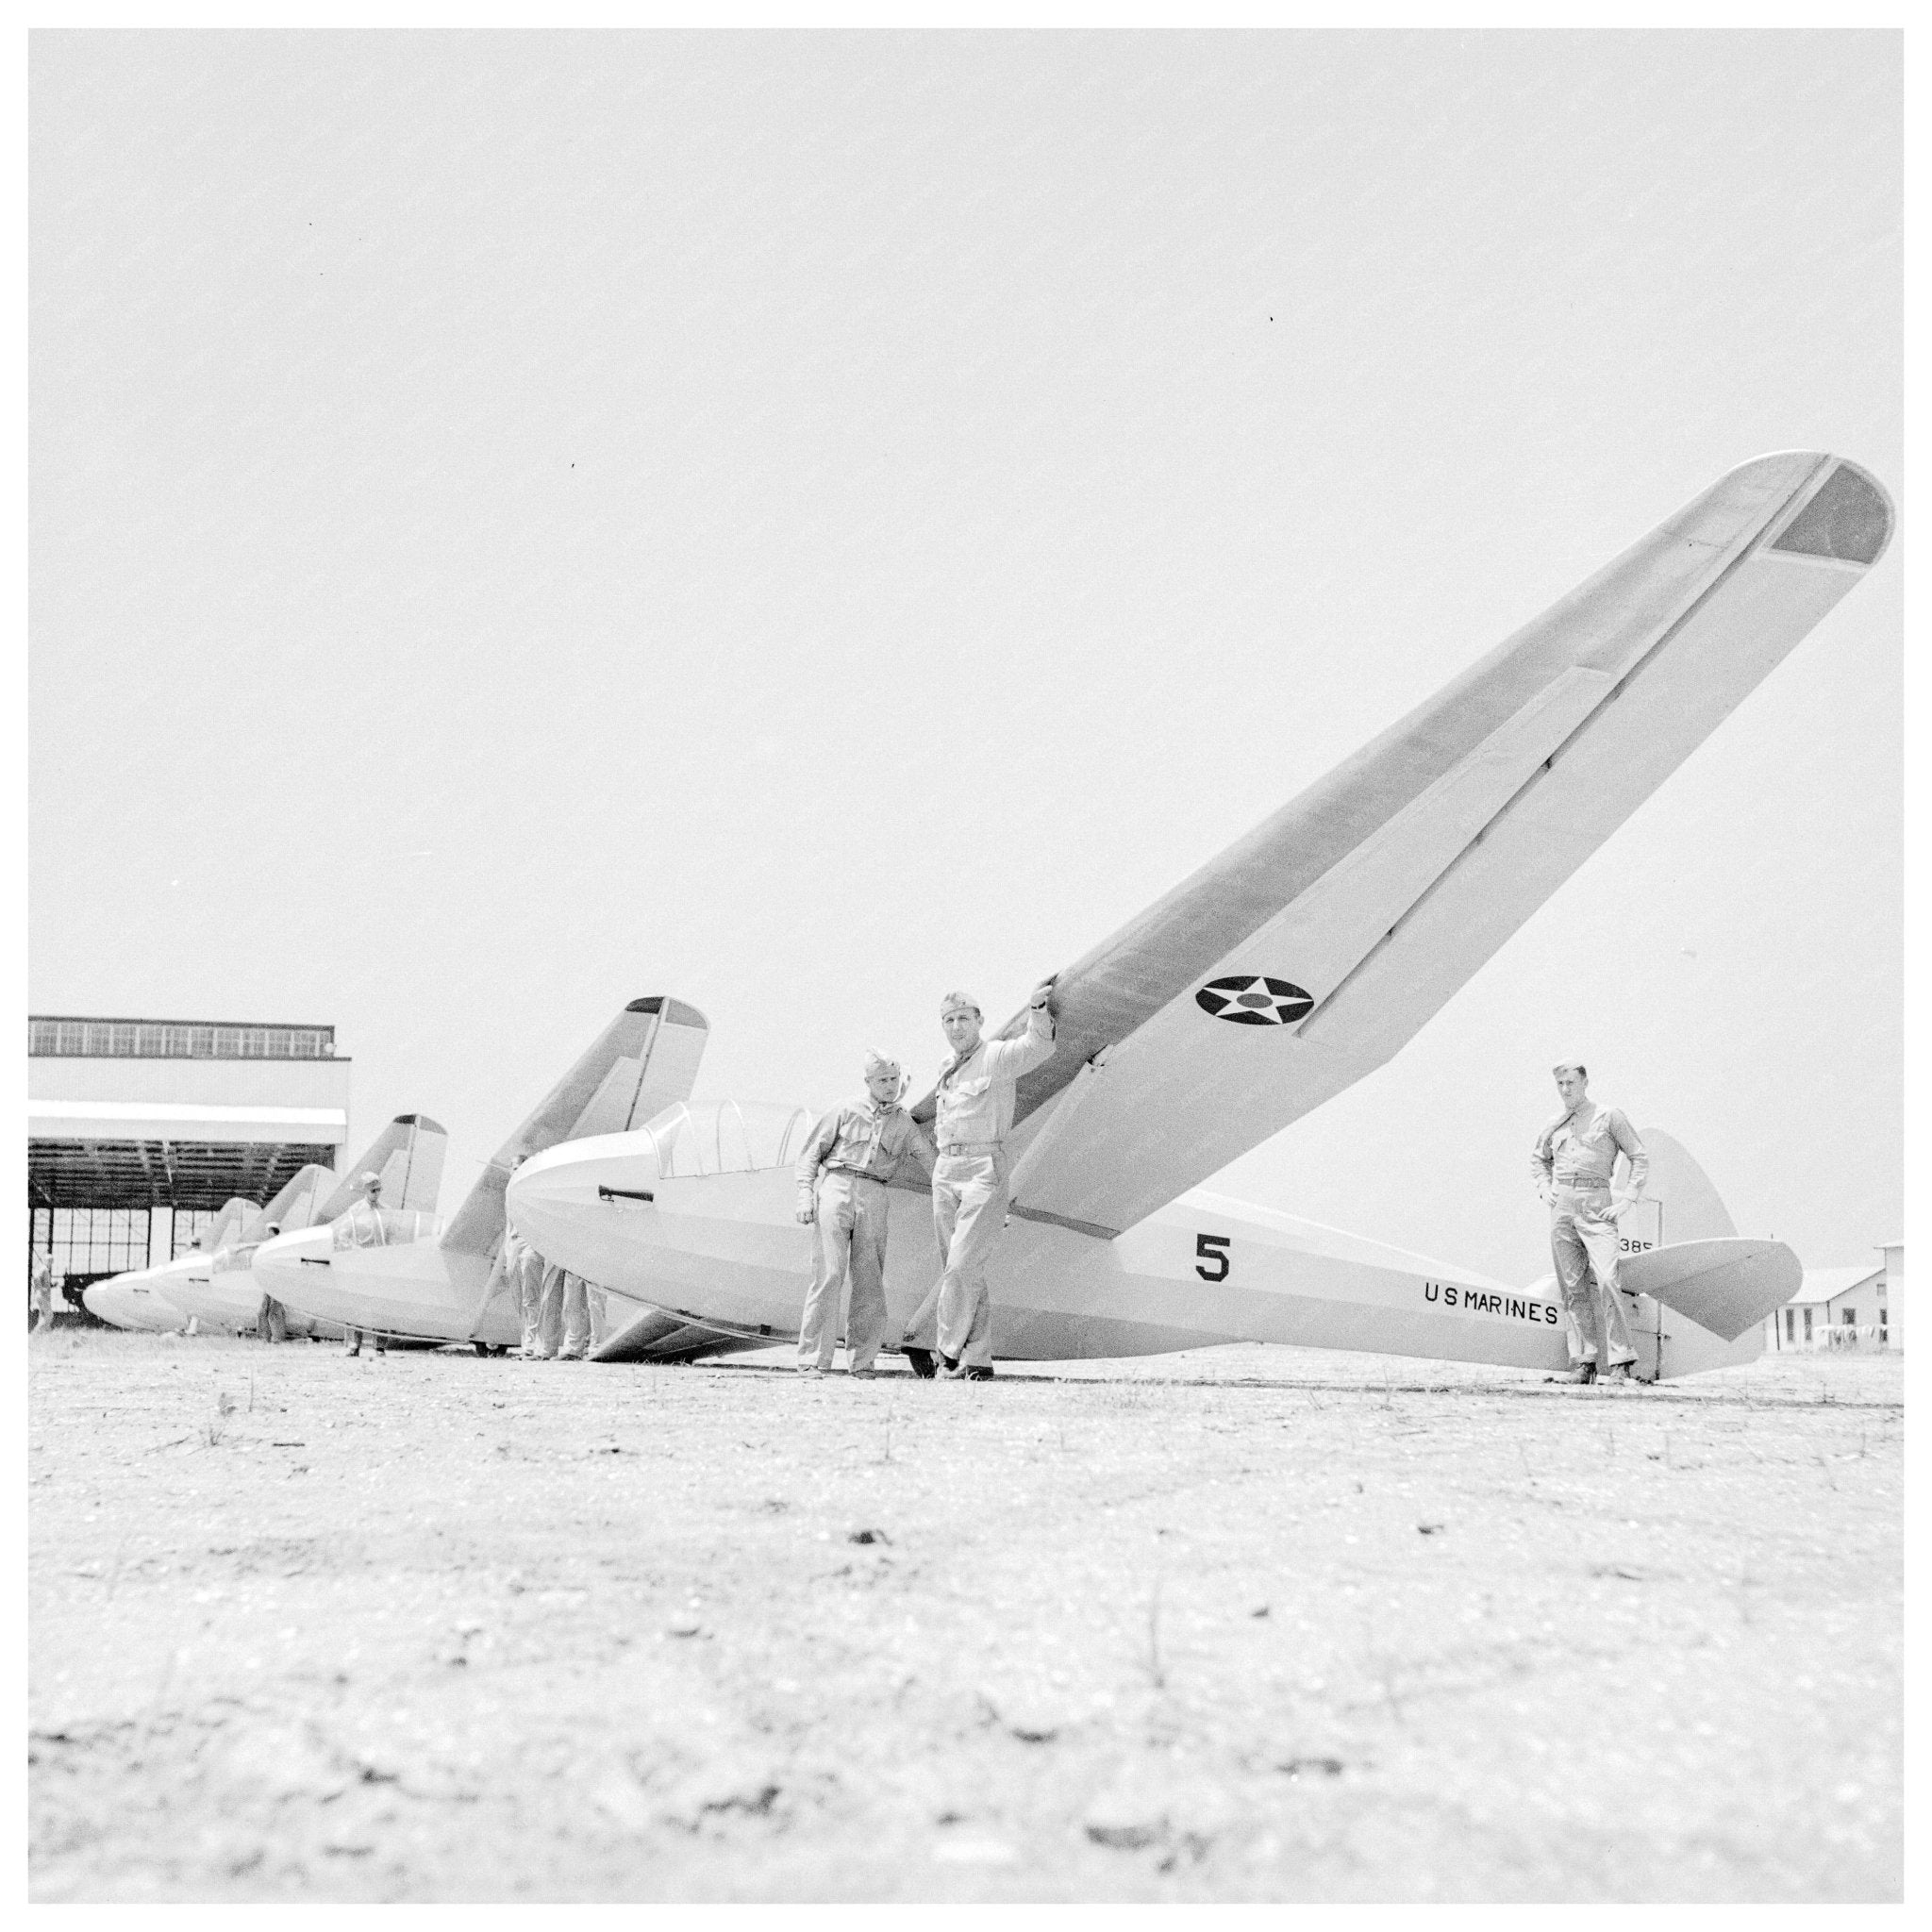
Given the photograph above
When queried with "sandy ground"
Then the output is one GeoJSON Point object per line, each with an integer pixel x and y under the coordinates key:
{"type": "Point", "coordinates": [1250, 1623]}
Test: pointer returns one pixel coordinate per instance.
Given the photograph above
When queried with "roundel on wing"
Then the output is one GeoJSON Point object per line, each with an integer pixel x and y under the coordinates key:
{"type": "Point", "coordinates": [1251, 999]}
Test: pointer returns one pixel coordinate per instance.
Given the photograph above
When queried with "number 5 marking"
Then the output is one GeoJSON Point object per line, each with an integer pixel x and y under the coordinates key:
{"type": "Point", "coordinates": [1212, 1247]}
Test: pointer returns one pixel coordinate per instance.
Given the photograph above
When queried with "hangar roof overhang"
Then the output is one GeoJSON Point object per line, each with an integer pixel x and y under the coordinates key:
{"type": "Point", "coordinates": [150, 1113]}
{"type": "Point", "coordinates": [130, 1120]}
{"type": "Point", "coordinates": [102, 1172]}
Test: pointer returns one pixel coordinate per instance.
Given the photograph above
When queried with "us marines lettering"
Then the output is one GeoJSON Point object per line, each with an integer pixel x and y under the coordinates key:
{"type": "Point", "coordinates": [1479, 1301]}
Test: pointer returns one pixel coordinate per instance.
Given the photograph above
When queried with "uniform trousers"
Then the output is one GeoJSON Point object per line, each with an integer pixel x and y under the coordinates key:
{"type": "Point", "coordinates": [564, 1327]}
{"type": "Point", "coordinates": [1583, 1245]}
{"type": "Point", "coordinates": [851, 1270]}
{"type": "Point", "coordinates": [970, 1193]}
{"type": "Point", "coordinates": [529, 1294]}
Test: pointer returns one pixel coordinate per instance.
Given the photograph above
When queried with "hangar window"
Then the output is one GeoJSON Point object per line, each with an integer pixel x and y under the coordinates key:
{"type": "Point", "coordinates": [190, 1223]}
{"type": "Point", "coordinates": [727, 1137]}
{"type": "Point", "coordinates": [175, 1039]}
{"type": "Point", "coordinates": [96, 1241]}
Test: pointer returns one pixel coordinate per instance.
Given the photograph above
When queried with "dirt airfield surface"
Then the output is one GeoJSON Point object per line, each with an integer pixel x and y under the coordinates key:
{"type": "Point", "coordinates": [1247, 1623]}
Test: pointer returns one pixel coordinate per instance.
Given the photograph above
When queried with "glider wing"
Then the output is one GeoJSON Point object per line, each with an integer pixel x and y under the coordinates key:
{"type": "Point", "coordinates": [1308, 953]}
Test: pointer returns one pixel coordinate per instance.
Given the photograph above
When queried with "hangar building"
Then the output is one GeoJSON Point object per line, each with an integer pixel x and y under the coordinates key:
{"type": "Point", "coordinates": [138, 1130]}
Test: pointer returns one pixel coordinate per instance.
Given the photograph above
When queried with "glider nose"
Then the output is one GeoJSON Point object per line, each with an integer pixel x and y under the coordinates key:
{"type": "Point", "coordinates": [570, 1200]}
{"type": "Point", "coordinates": [293, 1268]}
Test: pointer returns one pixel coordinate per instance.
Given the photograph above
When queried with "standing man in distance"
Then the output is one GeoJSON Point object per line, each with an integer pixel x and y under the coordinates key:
{"type": "Point", "coordinates": [271, 1318]}
{"type": "Point", "coordinates": [842, 1175]}
{"type": "Point", "coordinates": [1574, 1163]}
{"type": "Point", "coordinates": [563, 1331]}
{"type": "Point", "coordinates": [353, 1337]}
{"type": "Point", "coordinates": [971, 1179]}
{"type": "Point", "coordinates": [523, 1268]}
{"type": "Point", "coordinates": [41, 1277]}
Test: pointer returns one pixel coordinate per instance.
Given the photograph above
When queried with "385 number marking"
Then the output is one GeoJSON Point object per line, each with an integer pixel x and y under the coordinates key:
{"type": "Point", "coordinates": [1212, 1248]}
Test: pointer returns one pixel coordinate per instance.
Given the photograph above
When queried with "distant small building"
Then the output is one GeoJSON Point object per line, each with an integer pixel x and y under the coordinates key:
{"type": "Point", "coordinates": [1842, 1307]}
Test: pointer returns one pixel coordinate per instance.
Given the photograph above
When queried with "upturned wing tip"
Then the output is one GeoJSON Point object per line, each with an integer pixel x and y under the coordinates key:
{"type": "Point", "coordinates": [1847, 515]}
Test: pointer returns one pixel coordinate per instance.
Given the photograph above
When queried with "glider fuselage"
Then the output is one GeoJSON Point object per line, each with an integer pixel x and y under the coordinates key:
{"type": "Point", "coordinates": [410, 1288]}
{"type": "Point", "coordinates": [145, 1297]}
{"type": "Point", "coordinates": [725, 1250]}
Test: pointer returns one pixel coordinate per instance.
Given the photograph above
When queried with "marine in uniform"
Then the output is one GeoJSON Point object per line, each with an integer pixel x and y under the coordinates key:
{"type": "Point", "coordinates": [1574, 1163]}
{"type": "Point", "coordinates": [563, 1331]}
{"type": "Point", "coordinates": [843, 1176]}
{"type": "Point", "coordinates": [271, 1317]}
{"type": "Point", "coordinates": [972, 1179]}
{"type": "Point", "coordinates": [42, 1280]}
{"type": "Point", "coordinates": [354, 1338]}
{"type": "Point", "coordinates": [523, 1268]}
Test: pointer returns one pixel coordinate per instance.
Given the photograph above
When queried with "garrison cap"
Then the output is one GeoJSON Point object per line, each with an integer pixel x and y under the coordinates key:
{"type": "Point", "coordinates": [877, 1063]}
{"type": "Point", "coordinates": [960, 1002]}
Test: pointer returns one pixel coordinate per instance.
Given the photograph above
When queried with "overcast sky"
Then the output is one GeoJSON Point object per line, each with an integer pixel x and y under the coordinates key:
{"type": "Point", "coordinates": [801, 523]}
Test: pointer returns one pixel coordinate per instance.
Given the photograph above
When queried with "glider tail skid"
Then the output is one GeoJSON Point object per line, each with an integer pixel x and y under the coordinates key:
{"type": "Point", "coordinates": [1312, 949]}
{"type": "Point", "coordinates": [645, 1060]}
{"type": "Point", "coordinates": [407, 1157]}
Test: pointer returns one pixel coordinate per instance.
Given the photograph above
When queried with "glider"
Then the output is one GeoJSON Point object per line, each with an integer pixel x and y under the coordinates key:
{"type": "Point", "coordinates": [407, 1160]}
{"type": "Point", "coordinates": [1301, 959]}
{"type": "Point", "coordinates": [392, 1268]}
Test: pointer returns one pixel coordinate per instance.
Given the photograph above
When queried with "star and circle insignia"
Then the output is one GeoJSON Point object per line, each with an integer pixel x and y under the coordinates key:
{"type": "Point", "coordinates": [1252, 999]}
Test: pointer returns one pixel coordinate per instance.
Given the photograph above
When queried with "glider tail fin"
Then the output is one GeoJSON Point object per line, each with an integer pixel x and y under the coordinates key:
{"type": "Point", "coordinates": [407, 1157]}
{"type": "Point", "coordinates": [645, 1060]}
{"type": "Point", "coordinates": [294, 1207]}
{"type": "Point", "coordinates": [1704, 1289]}
{"type": "Point", "coordinates": [226, 1225]}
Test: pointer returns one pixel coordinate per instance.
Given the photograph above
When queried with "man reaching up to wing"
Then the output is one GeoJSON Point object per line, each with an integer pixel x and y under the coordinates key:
{"type": "Point", "coordinates": [970, 1192]}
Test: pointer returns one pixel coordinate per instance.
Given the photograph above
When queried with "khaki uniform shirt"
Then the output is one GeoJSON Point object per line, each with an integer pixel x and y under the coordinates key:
{"type": "Point", "coordinates": [1570, 1153]}
{"type": "Point", "coordinates": [865, 1138]}
{"type": "Point", "coordinates": [976, 1095]}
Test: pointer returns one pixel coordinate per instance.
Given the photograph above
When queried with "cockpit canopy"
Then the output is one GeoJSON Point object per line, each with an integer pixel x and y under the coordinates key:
{"type": "Point", "coordinates": [365, 1226]}
{"type": "Point", "coordinates": [727, 1137]}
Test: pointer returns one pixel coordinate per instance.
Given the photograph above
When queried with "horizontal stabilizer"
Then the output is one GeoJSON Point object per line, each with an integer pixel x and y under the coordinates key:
{"type": "Point", "coordinates": [649, 1334]}
{"type": "Point", "coordinates": [645, 1060]}
{"type": "Point", "coordinates": [1724, 1286]}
